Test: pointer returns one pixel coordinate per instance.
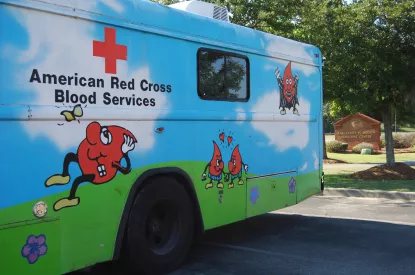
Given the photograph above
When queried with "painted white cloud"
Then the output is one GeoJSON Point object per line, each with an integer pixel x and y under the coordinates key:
{"type": "Point", "coordinates": [292, 49]}
{"type": "Point", "coordinates": [241, 115]}
{"type": "Point", "coordinates": [281, 134]}
{"type": "Point", "coordinates": [80, 4]}
{"type": "Point", "coordinates": [87, 4]}
{"type": "Point", "coordinates": [63, 46]}
{"type": "Point", "coordinates": [315, 160]}
{"type": "Point", "coordinates": [114, 4]}
{"type": "Point", "coordinates": [304, 167]}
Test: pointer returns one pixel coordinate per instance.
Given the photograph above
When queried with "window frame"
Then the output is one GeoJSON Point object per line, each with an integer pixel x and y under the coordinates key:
{"type": "Point", "coordinates": [230, 54]}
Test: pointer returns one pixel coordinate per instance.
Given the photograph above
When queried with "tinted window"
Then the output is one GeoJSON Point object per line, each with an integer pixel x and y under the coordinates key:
{"type": "Point", "coordinates": [222, 76]}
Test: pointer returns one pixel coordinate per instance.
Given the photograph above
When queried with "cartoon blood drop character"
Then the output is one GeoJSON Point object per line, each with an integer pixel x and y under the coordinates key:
{"type": "Point", "coordinates": [235, 166]}
{"type": "Point", "coordinates": [99, 156]}
{"type": "Point", "coordinates": [215, 168]}
{"type": "Point", "coordinates": [288, 90]}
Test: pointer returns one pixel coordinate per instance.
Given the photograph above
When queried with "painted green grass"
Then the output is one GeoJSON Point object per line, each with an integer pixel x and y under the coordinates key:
{"type": "Point", "coordinates": [341, 181]}
{"type": "Point", "coordinates": [85, 233]}
{"type": "Point", "coordinates": [356, 158]}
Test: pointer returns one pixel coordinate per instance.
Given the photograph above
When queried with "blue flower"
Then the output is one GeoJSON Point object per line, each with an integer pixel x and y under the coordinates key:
{"type": "Point", "coordinates": [291, 185]}
{"type": "Point", "coordinates": [254, 194]}
{"type": "Point", "coordinates": [34, 248]}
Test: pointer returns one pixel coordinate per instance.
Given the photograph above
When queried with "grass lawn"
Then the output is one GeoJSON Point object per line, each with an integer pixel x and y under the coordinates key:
{"type": "Point", "coordinates": [356, 158]}
{"type": "Point", "coordinates": [341, 181]}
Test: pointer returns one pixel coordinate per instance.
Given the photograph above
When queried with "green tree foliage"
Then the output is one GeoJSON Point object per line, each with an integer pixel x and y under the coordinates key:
{"type": "Point", "coordinates": [377, 74]}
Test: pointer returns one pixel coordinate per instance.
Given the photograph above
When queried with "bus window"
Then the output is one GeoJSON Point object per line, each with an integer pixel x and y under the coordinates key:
{"type": "Point", "coordinates": [222, 76]}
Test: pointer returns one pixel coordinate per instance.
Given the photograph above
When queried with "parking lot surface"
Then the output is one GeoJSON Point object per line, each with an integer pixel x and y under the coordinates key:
{"type": "Point", "coordinates": [322, 235]}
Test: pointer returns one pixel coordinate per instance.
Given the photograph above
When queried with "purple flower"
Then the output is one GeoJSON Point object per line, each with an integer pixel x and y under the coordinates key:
{"type": "Point", "coordinates": [254, 194]}
{"type": "Point", "coordinates": [291, 185]}
{"type": "Point", "coordinates": [34, 248]}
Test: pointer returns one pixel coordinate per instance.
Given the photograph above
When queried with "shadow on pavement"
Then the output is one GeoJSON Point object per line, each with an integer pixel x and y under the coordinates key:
{"type": "Point", "coordinates": [295, 244]}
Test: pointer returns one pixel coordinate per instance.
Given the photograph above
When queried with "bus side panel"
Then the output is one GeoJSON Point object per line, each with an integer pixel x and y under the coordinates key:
{"type": "Point", "coordinates": [36, 240]}
{"type": "Point", "coordinates": [285, 141]}
{"type": "Point", "coordinates": [59, 98]}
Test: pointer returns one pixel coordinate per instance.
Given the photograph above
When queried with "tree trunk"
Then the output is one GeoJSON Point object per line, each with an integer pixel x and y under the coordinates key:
{"type": "Point", "coordinates": [387, 122]}
{"type": "Point", "coordinates": [324, 144]}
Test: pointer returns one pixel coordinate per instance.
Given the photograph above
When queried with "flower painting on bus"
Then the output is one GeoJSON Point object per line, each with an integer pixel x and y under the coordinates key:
{"type": "Point", "coordinates": [99, 157]}
{"type": "Point", "coordinates": [291, 185]}
{"type": "Point", "coordinates": [254, 194]}
{"type": "Point", "coordinates": [34, 248]}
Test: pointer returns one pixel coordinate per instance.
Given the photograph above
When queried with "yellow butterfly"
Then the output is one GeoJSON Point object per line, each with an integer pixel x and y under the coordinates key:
{"type": "Point", "coordinates": [72, 115]}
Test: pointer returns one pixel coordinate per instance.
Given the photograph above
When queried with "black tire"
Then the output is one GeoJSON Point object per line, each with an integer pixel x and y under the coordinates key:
{"type": "Point", "coordinates": [155, 247]}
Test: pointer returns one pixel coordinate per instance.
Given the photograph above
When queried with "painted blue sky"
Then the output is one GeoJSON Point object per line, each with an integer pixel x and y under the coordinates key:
{"type": "Point", "coordinates": [34, 150]}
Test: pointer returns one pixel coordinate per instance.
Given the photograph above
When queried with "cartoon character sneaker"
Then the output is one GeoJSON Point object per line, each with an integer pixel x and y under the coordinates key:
{"type": "Point", "coordinates": [57, 180]}
{"type": "Point", "coordinates": [66, 202]}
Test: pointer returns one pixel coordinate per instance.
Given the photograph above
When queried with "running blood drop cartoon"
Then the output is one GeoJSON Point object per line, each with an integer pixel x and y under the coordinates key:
{"type": "Point", "coordinates": [99, 156]}
{"type": "Point", "coordinates": [215, 166]}
{"type": "Point", "coordinates": [235, 167]}
{"type": "Point", "coordinates": [288, 90]}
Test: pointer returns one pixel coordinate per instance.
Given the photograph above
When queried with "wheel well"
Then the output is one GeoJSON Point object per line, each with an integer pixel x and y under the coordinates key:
{"type": "Point", "coordinates": [182, 177]}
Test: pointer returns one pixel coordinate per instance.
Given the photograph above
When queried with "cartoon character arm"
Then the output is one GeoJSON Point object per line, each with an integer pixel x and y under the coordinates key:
{"type": "Point", "coordinates": [296, 79]}
{"type": "Point", "coordinates": [124, 170]}
{"type": "Point", "coordinates": [279, 79]}
{"type": "Point", "coordinates": [128, 145]}
{"type": "Point", "coordinates": [204, 172]}
{"type": "Point", "coordinates": [280, 85]}
{"type": "Point", "coordinates": [245, 166]}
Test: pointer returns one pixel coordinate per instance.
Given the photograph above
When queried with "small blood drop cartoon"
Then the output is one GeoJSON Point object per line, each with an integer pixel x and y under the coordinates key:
{"type": "Point", "coordinates": [99, 156]}
{"type": "Point", "coordinates": [235, 166]}
{"type": "Point", "coordinates": [215, 166]}
{"type": "Point", "coordinates": [288, 90]}
{"type": "Point", "coordinates": [229, 140]}
{"type": "Point", "coordinates": [222, 136]}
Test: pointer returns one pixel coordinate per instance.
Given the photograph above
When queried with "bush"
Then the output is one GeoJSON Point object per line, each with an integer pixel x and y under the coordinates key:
{"type": "Point", "coordinates": [335, 146]}
{"type": "Point", "coordinates": [400, 140]}
{"type": "Point", "coordinates": [358, 148]}
{"type": "Point", "coordinates": [403, 140]}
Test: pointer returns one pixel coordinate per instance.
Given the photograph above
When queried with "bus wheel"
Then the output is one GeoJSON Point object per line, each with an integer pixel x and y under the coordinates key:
{"type": "Point", "coordinates": [160, 227]}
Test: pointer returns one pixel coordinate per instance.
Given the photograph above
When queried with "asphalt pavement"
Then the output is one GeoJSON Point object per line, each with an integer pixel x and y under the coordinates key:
{"type": "Point", "coordinates": [322, 235]}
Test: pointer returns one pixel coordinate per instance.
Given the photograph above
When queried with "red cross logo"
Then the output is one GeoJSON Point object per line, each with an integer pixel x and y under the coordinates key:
{"type": "Point", "coordinates": [110, 50]}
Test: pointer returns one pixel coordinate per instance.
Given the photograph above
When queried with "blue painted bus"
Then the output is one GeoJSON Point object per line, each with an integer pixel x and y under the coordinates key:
{"type": "Point", "coordinates": [129, 128]}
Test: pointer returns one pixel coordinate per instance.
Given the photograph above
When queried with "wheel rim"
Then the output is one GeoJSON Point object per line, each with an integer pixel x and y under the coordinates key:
{"type": "Point", "coordinates": [162, 227]}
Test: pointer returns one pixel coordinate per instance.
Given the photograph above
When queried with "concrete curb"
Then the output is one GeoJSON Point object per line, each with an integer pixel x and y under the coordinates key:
{"type": "Point", "coordinates": [361, 193]}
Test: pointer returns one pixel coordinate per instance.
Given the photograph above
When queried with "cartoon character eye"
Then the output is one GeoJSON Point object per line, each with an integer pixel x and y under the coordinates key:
{"type": "Point", "coordinates": [106, 136]}
{"type": "Point", "coordinates": [234, 161]}
{"type": "Point", "coordinates": [286, 81]}
{"type": "Point", "coordinates": [217, 162]}
{"type": "Point", "coordinates": [291, 81]}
